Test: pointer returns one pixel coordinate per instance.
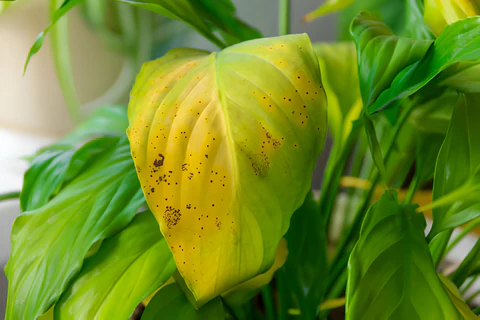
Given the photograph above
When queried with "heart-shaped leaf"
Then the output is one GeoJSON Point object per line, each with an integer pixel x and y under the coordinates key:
{"type": "Point", "coordinates": [126, 269]}
{"type": "Point", "coordinates": [225, 145]}
{"type": "Point", "coordinates": [390, 272]}
{"type": "Point", "coordinates": [50, 243]}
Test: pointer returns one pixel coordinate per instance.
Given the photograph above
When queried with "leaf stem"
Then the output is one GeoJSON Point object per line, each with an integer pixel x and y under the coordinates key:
{"type": "Point", "coordinates": [268, 302]}
{"type": "Point", "coordinates": [283, 17]}
{"type": "Point", "coordinates": [412, 188]}
{"type": "Point", "coordinates": [63, 66]}
{"type": "Point", "coordinates": [10, 195]}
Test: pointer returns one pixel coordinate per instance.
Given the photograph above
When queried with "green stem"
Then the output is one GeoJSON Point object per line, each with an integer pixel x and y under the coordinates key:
{"type": "Point", "coordinates": [268, 302]}
{"type": "Point", "coordinates": [284, 17]}
{"type": "Point", "coordinates": [63, 66]}
{"type": "Point", "coordinates": [10, 195]}
{"type": "Point", "coordinates": [283, 293]}
{"type": "Point", "coordinates": [412, 188]}
{"type": "Point", "coordinates": [466, 230]}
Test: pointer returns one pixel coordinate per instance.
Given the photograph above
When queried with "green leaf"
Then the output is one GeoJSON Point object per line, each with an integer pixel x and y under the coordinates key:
{"type": "Point", "coordinates": [338, 65]}
{"type": "Point", "coordinates": [459, 42]}
{"type": "Point", "coordinates": [390, 272]}
{"type": "Point", "coordinates": [61, 11]}
{"type": "Point", "coordinates": [205, 16]}
{"type": "Point", "coordinates": [381, 55]}
{"type": "Point", "coordinates": [460, 154]}
{"type": "Point", "coordinates": [127, 268]}
{"type": "Point", "coordinates": [414, 25]}
{"type": "Point", "coordinates": [50, 243]}
{"type": "Point", "coordinates": [105, 121]}
{"type": "Point", "coordinates": [374, 146]}
{"type": "Point", "coordinates": [440, 13]}
{"type": "Point", "coordinates": [327, 7]}
{"type": "Point", "coordinates": [171, 303]}
{"type": "Point", "coordinates": [306, 268]}
{"type": "Point", "coordinates": [428, 147]}
{"type": "Point", "coordinates": [56, 166]}
{"type": "Point", "coordinates": [457, 299]}
{"type": "Point", "coordinates": [463, 76]}
{"type": "Point", "coordinates": [245, 126]}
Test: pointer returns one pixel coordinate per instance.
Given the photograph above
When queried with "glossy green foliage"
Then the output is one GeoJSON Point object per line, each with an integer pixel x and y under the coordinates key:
{"type": "Point", "coordinates": [50, 243]}
{"type": "Point", "coordinates": [460, 153]}
{"type": "Point", "coordinates": [171, 303]}
{"type": "Point", "coordinates": [463, 76]}
{"type": "Point", "coordinates": [306, 268]}
{"type": "Point", "coordinates": [126, 269]}
{"type": "Point", "coordinates": [381, 55]}
{"type": "Point", "coordinates": [241, 125]}
{"type": "Point", "coordinates": [206, 16]}
{"type": "Point", "coordinates": [459, 42]}
{"type": "Point", "coordinates": [391, 272]}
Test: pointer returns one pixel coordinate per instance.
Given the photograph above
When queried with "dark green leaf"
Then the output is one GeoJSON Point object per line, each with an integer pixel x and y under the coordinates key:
{"type": "Point", "coordinates": [391, 272]}
{"type": "Point", "coordinates": [170, 303]}
{"type": "Point", "coordinates": [459, 42]}
{"type": "Point", "coordinates": [428, 147]}
{"type": "Point", "coordinates": [375, 147]}
{"type": "Point", "coordinates": [61, 11]}
{"type": "Point", "coordinates": [127, 268]}
{"type": "Point", "coordinates": [381, 55]}
{"type": "Point", "coordinates": [50, 243]}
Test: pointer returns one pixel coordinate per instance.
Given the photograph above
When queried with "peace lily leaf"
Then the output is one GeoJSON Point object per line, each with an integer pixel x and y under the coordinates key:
{"type": "Point", "coordinates": [460, 153]}
{"type": "Point", "coordinates": [306, 267]}
{"type": "Point", "coordinates": [433, 115]}
{"type": "Point", "coordinates": [374, 146]}
{"type": "Point", "coordinates": [245, 291]}
{"type": "Point", "coordinates": [457, 299]}
{"type": "Point", "coordinates": [127, 268]}
{"type": "Point", "coordinates": [205, 16]}
{"type": "Point", "coordinates": [390, 271]}
{"type": "Point", "coordinates": [245, 126]}
{"type": "Point", "coordinates": [327, 7]}
{"type": "Point", "coordinates": [440, 13]}
{"type": "Point", "coordinates": [171, 303]}
{"type": "Point", "coordinates": [414, 25]}
{"type": "Point", "coordinates": [428, 147]}
{"type": "Point", "coordinates": [338, 62]}
{"type": "Point", "coordinates": [60, 12]}
{"type": "Point", "coordinates": [54, 167]}
{"type": "Point", "coordinates": [463, 76]}
{"type": "Point", "coordinates": [459, 42]}
{"type": "Point", "coordinates": [381, 54]}
{"type": "Point", "coordinates": [50, 243]}
{"type": "Point", "coordinates": [110, 121]}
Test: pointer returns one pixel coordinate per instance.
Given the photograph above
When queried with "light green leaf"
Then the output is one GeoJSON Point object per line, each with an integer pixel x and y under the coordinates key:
{"type": "Point", "coordinates": [127, 268]}
{"type": "Point", "coordinates": [457, 299]}
{"type": "Point", "coordinates": [414, 26]}
{"type": "Point", "coordinates": [105, 121]}
{"type": "Point", "coordinates": [457, 164]}
{"type": "Point", "coordinates": [459, 42]}
{"type": "Point", "coordinates": [50, 243]}
{"type": "Point", "coordinates": [225, 145]}
{"type": "Point", "coordinates": [463, 76]}
{"type": "Point", "coordinates": [327, 7]}
{"type": "Point", "coordinates": [170, 303]}
{"type": "Point", "coordinates": [440, 13]}
{"type": "Point", "coordinates": [205, 16]}
{"type": "Point", "coordinates": [381, 55]}
{"type": "Point", "coordinates": [390, 272]}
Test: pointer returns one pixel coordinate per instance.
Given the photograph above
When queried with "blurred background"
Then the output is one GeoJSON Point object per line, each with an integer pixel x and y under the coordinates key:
{"type": "Point", "coordinates": [33, 111]}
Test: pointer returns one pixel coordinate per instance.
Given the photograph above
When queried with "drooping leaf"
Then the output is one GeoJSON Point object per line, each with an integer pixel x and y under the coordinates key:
{"type": "Point", "coordinates": [171, 303]}
{"type": "Point", "coordinates": [56, 166]}
{"type": "Point", "coordinates": [306, 268]}
{"type": "Point", "coordinates": [459, 42]}
{"type": "Point", "coordinates": [338, 64]}
{"type": "Point", "coordinates": [327, 7]}
{"type": "Point", "coordinates": [391, 273]}
{"type": "Point", "coordinates": [205, 16]}
{"type": "Point", "coordinates": [106, 121]}
{"type": "Point", "coordinates": [440, 13]}
{"type": "Point", "coordinates": [374, 146]}
{"type": "Point", "coordinates": [225, 145]}
{"type": "Point", "coordinates": [381, 55]}
{"type": "Point", "coordinates": [456, 167]}
{"type": "Point", "coordinates": [127, 268]}
{"type": "Point", "coordinates": [60, 12]}
{"type": "Point", "coordinates": [50, 243]}
{"type": "Point", "coordinates": [239, 295]}
{"type": "Point", "coordinates": [457, 299]}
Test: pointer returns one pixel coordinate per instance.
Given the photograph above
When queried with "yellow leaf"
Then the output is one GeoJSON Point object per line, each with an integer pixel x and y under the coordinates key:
{"type": "Point", "coordinates": [457, 299]}
{"type": "Point", "coordinates": [440, 13]}
{"type": "Point", "coordinates": [225, 145]}
{"type": "Point", "coordinates": [327, 7]}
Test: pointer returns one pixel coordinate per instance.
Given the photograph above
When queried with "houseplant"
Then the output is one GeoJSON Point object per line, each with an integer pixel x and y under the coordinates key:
{"type": "Point", "coordinates": [219, 152]}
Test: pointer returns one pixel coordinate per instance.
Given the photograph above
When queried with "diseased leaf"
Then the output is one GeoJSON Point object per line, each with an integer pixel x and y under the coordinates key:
{"type": "Point", "coordinates": [327, 7]}
{"type": "Point", "coordinates": [459, 42]}
{"type": "Point", "coordinates": [50, 243]}
{"type": "Point", "coordinates": [171, 303]}
{"type": "Point", "coordinates": [205, 16]}
{"type": "Point", "coordinates": [390, 271]}
{"type": "Point", "coordinates": [225, 145]}
{"type": "Point", "coordinates": [381, 55]}
{"type": "Point", "coordinates": [440, 13]}
{"type": "Point", "coordinates": [127, 268]}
